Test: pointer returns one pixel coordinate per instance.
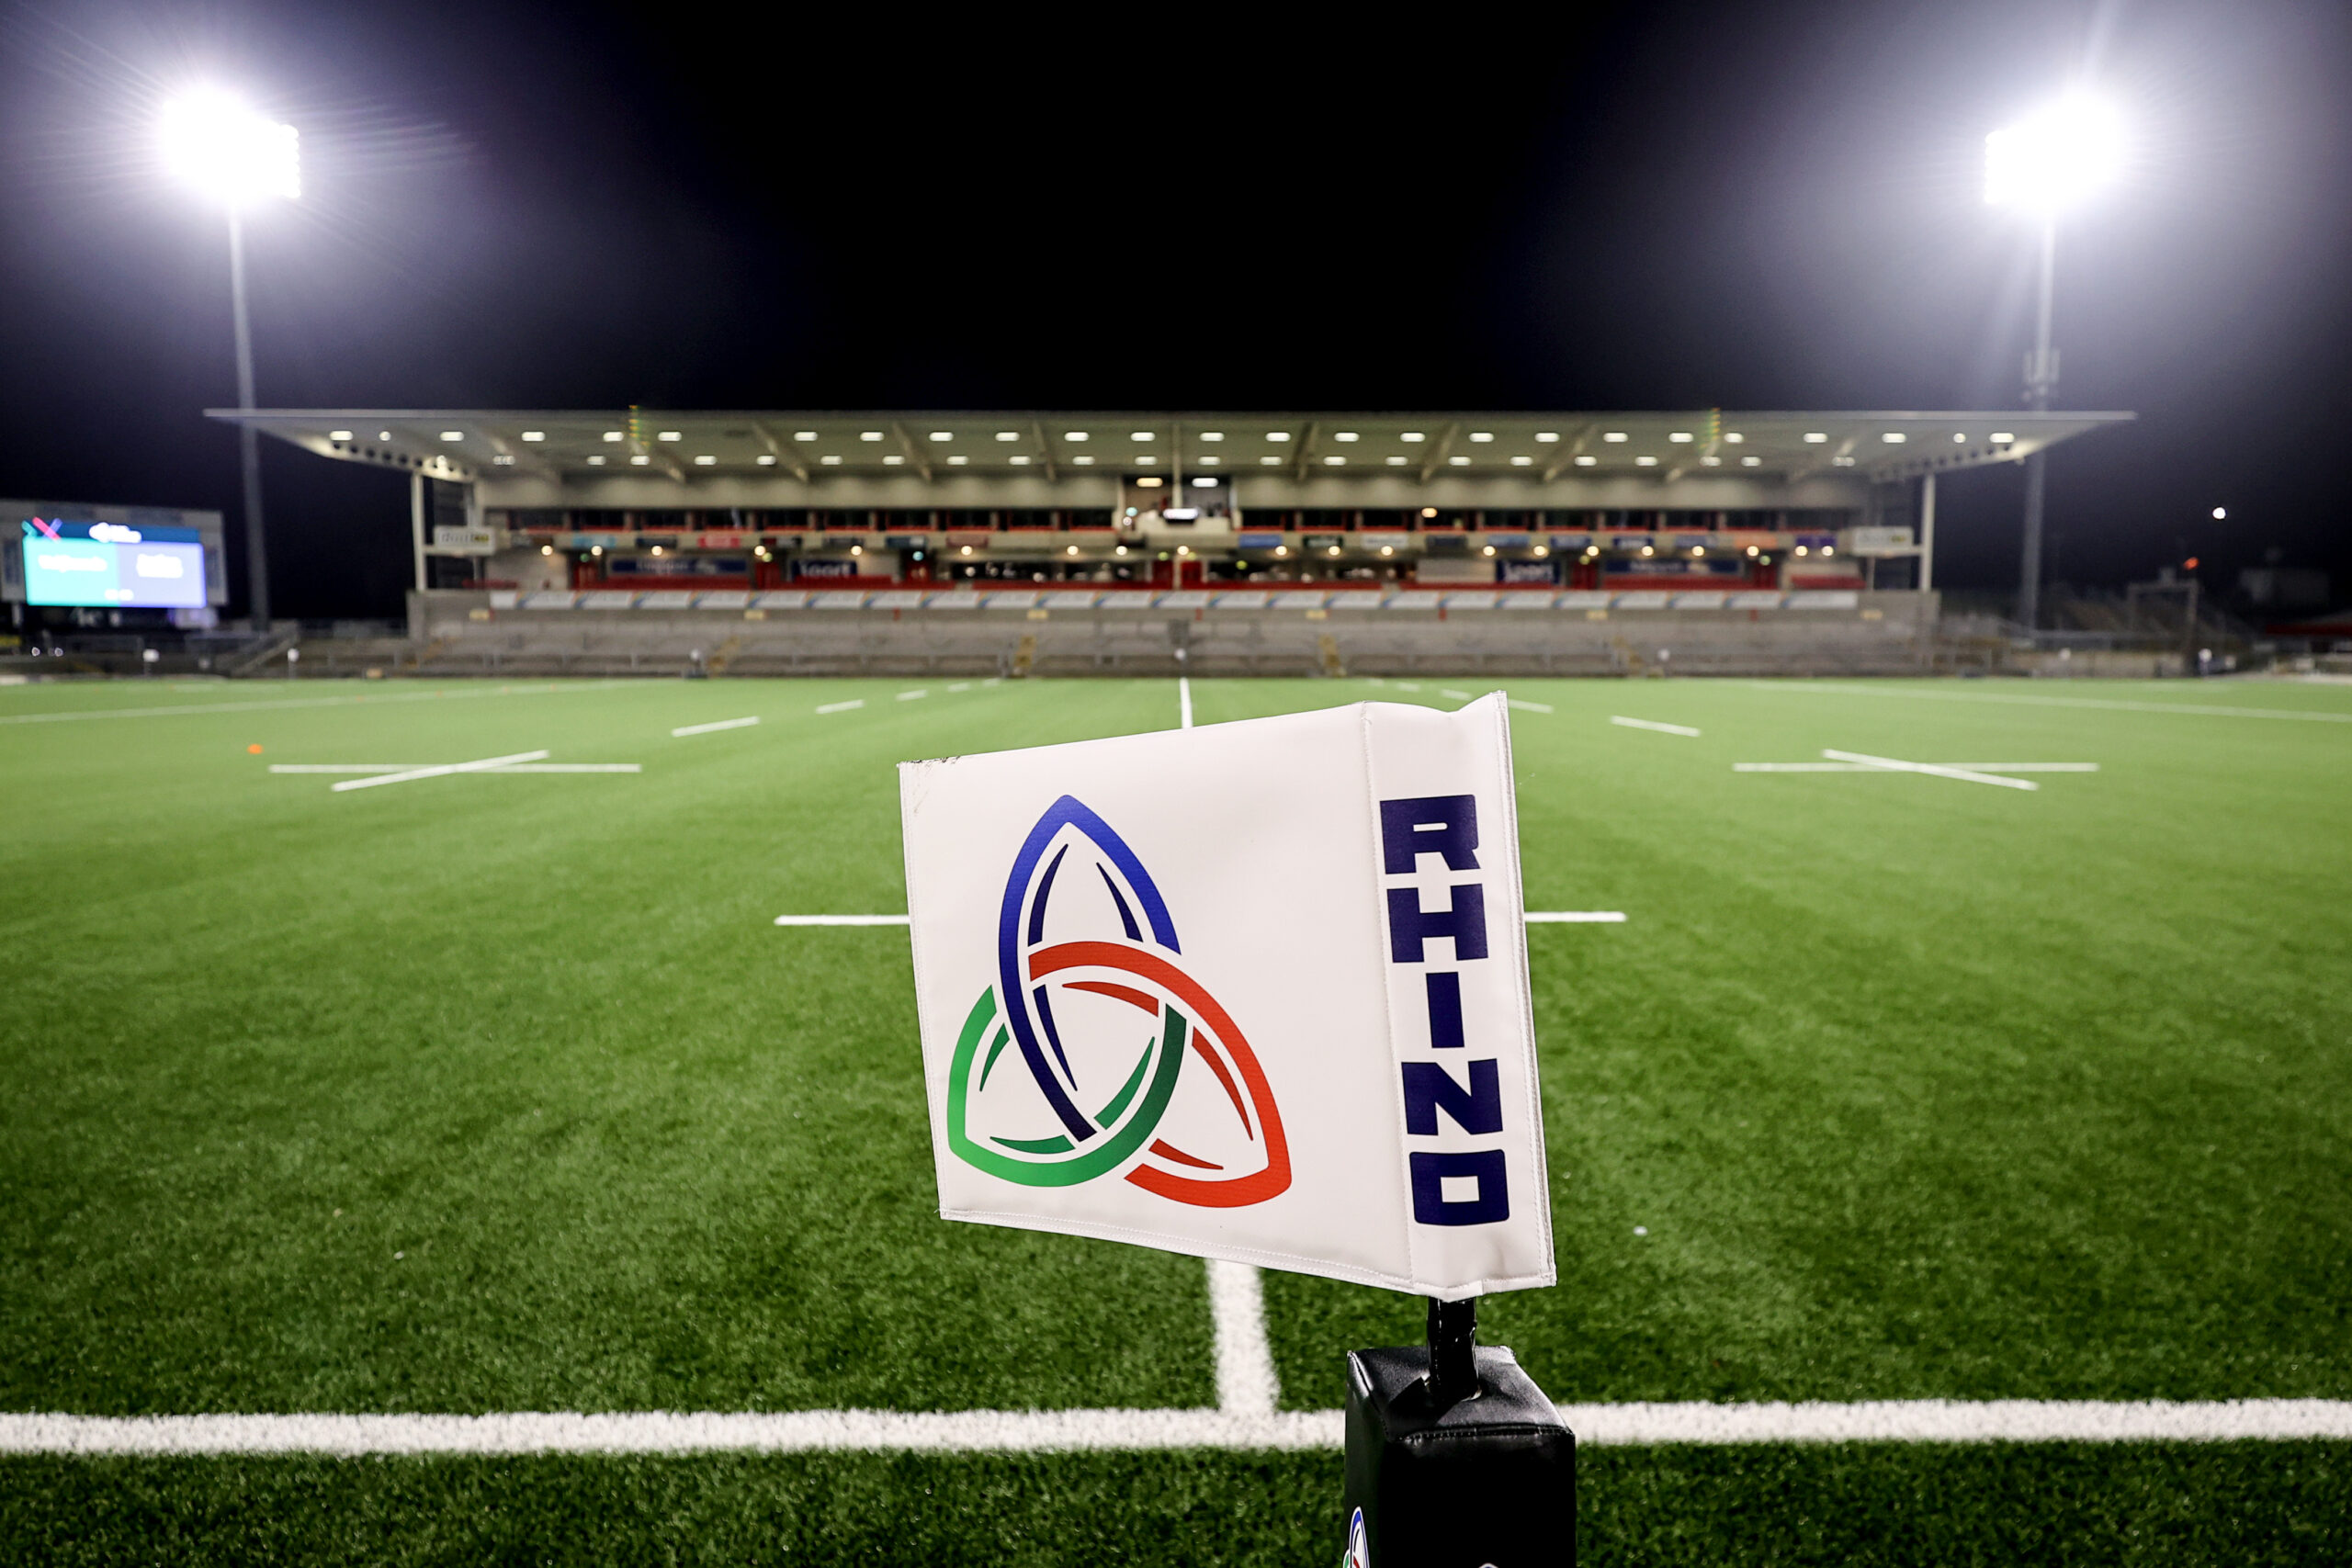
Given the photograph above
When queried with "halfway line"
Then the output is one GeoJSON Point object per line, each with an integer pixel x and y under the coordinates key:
{"type": "Point", "coordinates": [484, 765]}
{"type": "Point", "coordinates": [1030, 1431]}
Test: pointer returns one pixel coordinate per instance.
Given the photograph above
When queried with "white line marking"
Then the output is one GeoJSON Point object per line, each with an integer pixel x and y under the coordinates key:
{"type": "Point", "coordinates": [1653, 723]}
{"type": "Point", "coordinates": [1940, 772]}
{"type": "Point", "coordinates": [918, 692]}
{"type": "Point", "coordinates": [2111, 704]}
{"type": "Point", "coordinates": [1408, 685]}
{"type": "Point", "coordinates": [840, 919]}
{"type": "Point", "coordinates": [1032, 1431]}
{"type": "Point", "coordinates": [1576, 917]}
{"type": "Point", "coordinates": [1246, 1384]}
{"type": "Point", "coordinates": [841, 708]}
{"type": "Point", "coordinates": [1529, 707]}
{"type": "Point", "coordinates": [437, 694]}
{"type": "Point", "coordinates": [443, 770]}
{"type": "Point", "coordinates": [407, 767]}
{"type": "Point", "coordinates": [1867, 767]}
{"type": "Point", "coordinates": [961, 687]}
{"type": "Point", "coordinates": [1184, 702]}
{"type": "Point", "coordinates": [1448, 691]}
{"type": "Point", "coordinates": [684, 729]}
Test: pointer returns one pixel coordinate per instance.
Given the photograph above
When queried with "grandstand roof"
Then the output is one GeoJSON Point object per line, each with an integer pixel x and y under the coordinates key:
{"type": "Point", "coordinates": [636, 457]}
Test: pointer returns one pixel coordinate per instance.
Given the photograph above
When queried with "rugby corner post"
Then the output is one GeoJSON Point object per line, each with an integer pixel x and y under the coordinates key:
{"type": "Point", "coordinates": [1310, 1047]}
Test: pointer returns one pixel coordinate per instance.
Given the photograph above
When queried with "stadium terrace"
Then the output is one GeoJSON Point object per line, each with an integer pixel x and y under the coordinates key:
{"type": "Point", "coordinates": [585, 502]}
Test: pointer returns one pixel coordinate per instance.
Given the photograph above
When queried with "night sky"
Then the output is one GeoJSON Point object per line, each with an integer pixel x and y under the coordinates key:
{"type": "Point", "coordinates": [1642, 206]}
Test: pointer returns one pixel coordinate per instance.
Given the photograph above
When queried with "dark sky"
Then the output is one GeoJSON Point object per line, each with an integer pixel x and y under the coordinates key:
{"type": "Point", "coordinates": [1660, 204]}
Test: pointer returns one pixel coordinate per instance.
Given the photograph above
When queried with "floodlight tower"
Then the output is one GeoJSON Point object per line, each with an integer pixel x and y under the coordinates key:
{"type": "Point", "coordinates": [225, 151]}
{"type": "Point", "coordinates": [2042, 165]}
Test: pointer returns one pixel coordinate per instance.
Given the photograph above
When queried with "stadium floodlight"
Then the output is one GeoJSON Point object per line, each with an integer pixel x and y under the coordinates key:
{"type": "Point", "coordinates": [2052, 160]}
{"type": "Point", "coordinates": [214, 143]}
{"type": "Point", "coordinates": [2044, 164]}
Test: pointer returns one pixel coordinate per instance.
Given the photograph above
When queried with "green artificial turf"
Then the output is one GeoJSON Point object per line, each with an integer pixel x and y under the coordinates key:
{"type": "Point", "coordinates": [1919, 1088]}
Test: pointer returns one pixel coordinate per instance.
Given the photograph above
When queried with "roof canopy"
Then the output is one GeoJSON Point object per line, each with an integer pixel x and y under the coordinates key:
{"type": "Point", "coordinates": [636, 457]}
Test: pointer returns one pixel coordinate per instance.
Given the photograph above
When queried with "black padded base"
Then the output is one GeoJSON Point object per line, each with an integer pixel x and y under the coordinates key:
{"type": "Point", "coordinates": [1488, 1480]}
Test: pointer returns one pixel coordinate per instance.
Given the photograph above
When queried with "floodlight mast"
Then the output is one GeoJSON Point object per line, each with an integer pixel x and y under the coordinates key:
{"type": "Point", "coordinates": [237, 157]}
{"type": "Point", "coordinates": [2044, 164]}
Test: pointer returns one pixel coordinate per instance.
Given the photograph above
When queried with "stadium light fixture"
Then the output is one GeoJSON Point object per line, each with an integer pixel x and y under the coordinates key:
{"type": "Point", "coordinates": [942, 436]}
{"type": "Point", "coordinates": [2221, 513]}
{"type": "Point", "coordinates": [1614, 436]}
{"type": "Point", "coordinates": [216, 146]}
{"type": "Point", "coordinates": [1414, 436]}
{"type": "Point", "coordinates": [2053, 159]}
{"type": "Point", "coordinates": [1278, 435]}
{"type": "Point", "coordinates": [1482, 436]}
{"type": "Point", "coordinates": [338, 436]}
{"type": "Point", "coordinates": [1585, 460]}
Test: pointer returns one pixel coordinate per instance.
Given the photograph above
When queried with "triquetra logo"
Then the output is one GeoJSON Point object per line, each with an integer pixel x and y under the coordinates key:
{"type": "Point", "coordinates": [1073, 1065]}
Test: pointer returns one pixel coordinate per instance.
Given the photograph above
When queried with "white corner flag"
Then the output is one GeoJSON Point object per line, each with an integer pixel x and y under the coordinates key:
{"type": "Point", "coordinates": [1254, 991]}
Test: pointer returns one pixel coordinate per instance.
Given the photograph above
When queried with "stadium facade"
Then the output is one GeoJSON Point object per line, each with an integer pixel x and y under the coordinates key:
{"type": "Point", "coordinates": [735, 516]}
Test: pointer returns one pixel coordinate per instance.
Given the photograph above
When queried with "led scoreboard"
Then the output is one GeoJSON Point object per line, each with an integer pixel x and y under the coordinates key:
{"type": "Point", "coordinates": [112, 558]}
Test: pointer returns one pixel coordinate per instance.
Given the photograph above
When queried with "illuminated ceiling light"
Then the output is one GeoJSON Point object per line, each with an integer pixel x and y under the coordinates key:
{"type": "Point", "coordinates": [1428, 512]}
{"type": "Point", "coordinates": [2053, 159]}
{"type": "Point", "coordinates": [1332, 551]}
{"type": "Point", "coordinates": [1542, 551]}
{"type": "Point", "coordinates": [1397, 462]}
{"type": "Point", "coordinates": [1278, 435]}
{"type": "Point", "coordinates": [1387, 549]}
{"type": "Point", "coordinates": [831, 460]}
{"type": "Point", "coordinates": [1801, 549]}
{"type": "Point", "coordinates": [1412, 435]}
{"type": "Point", "coordinates": [338, 436]}
{"type": "Point", "coordinates": [1711, 461]}
{"type": "Point", "coordinates": [1270, 462]}
{"type": "Point", "coordinates": [956, 461]}
{"type": "Point", "coordinates": [1211, 434]}
{"type": "Point", "coordinates": [1646, 462]}
{"type": "Point", "coordinates": [942, 436]}
{"type": "Point", "coordinates": [1815, 437]}
{"type": "Point", "coordinates": [597, 461]}
{"type": "Point", "coordinates": [1076, 435]}
{"type": "Point", "coordinates": [226, 150]}
{"type": "Point", "coordinates": [803, 436]}
{"type": "Point", "coordinates": [1345, 435]}
{"type": "Point", "coordinates": [1841, 462]}
{"type": "Point", "coordinates": [383, 435]}
{"type": "Point", "coordinates": [535, 435]}
{"type": "Point", "coordinates": [1008, 435]}
{"type": "Point", "coordinates": [1459, 462]}
{"type": "Point", "coordinates": [1142, 435]}
{"type": "Point", "coordinates": [1614, 435]}
{"type": "Point", "coordinates": [1019, 459]}
{"type": "Point", "coordinates": [1208, 462]}
{"type": "Point", "coordinates": [704, 460]}
{"type": "Point", "coordinates": [1893, 437]}
{"type": "Point", "coordinates": [1122, 549]}
{"type": "Point", "coordinates": [1521, 462]}
{"type": "Point", "coordinates": [671, 436]}
{"type": "Point", "coordinates": [1751, 549]}
{"type": "Point", "coordinates": [964, 549]}
{"type": "Point", "coordinates": [1084, 461]}
{"type": "Point", "coordinates": [1648, 551]}
{"type": "Point", "coordinates": [1734, 436]}
{"type": "Point", "coordinates": [1677, 436]}
{"type": "Point", "coordinates": [453, 436]}
{"type": "Point", "coordinates": [1959, 437]}
{"type": "Point", "coordinates": [657, 549]}
{"type": "Point", "coordinates": [1584, 461]}
{"type": "Point", "coordinates": [1698, 550]}
{"type": "Point", "coordinates": [639, 461]}
{"type": "Point", "coordinates": [1482, 436]}
{"type": "Point", "coordinates": [862, 436]}
{"type": "Point", "coordinates": [1487, 550]}
{"type": "Point", "coordinates": [1149, 481]}
{"type": "Point", "coordinates": [1751, 462]}
{"type": "Point", "coordinates": [1335, 461]}
{"type": "Point", "coordinates": [502, 460]}
{"type": "Point", "coordinates": [1829, 550]}
{"type": "Point", "coordinates": [766, 459]}
{"type": "Point", "coordinates": [612, 436]}
{"type": "Point", "coordinates": [2003, 437]}
{"type": "Point", "coordinates": [893, 460]}
{"type": "Point", "coordinates": [1203, 484]}
{"type": "Point", "coordinates": [1069, 550]}
{"type": "Point", "coordinates": [857, 550]}
{"type": "Point", "coordinates": [1145, 458]}
{"type": "Point", "coordinates": [1548, 435]}
{"type": "Point", "coordinates": [547, 549]}
{"type": "Point", "coordinates": [596, 549]}
{"type": "Point", "coordinates": [1281, 550]}
{"type": "Point", "coordinates": [1183, 549]}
